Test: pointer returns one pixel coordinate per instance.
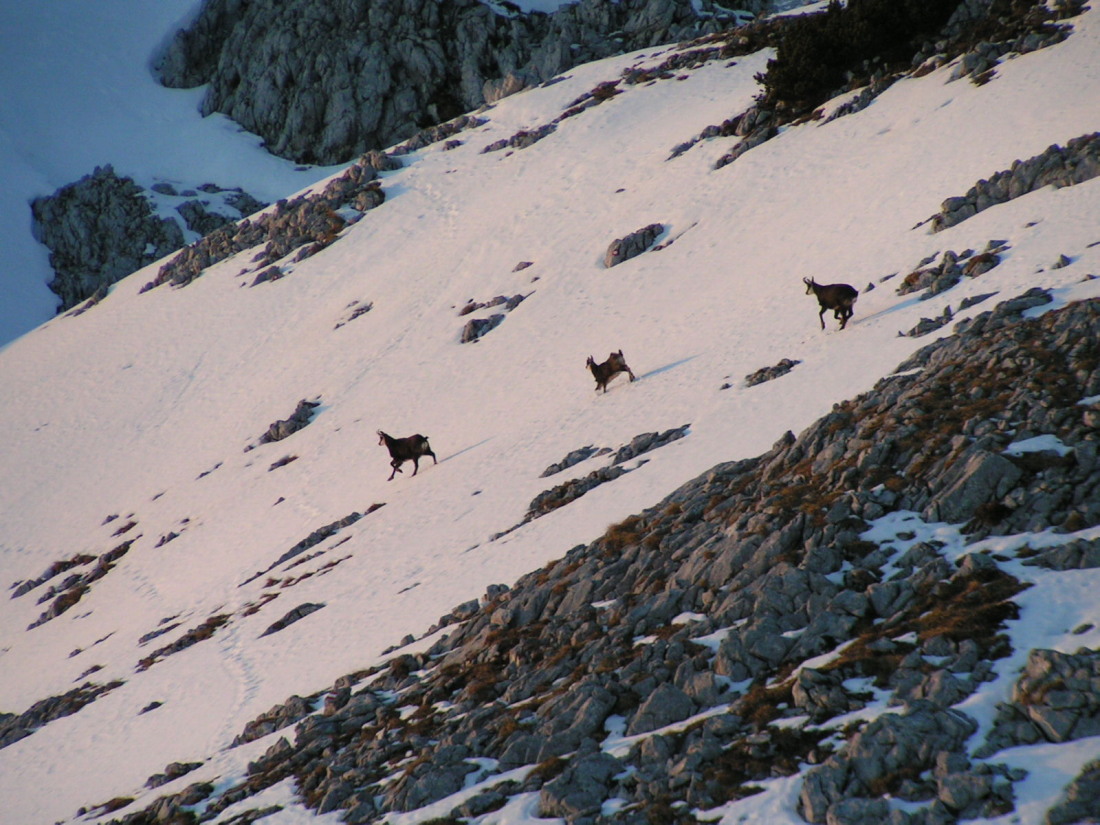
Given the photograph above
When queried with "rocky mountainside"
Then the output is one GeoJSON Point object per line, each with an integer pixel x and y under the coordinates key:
{"type": "Point", "coordinates": [324, 82]}
{"type": "Point", "coordinates": [737, 632]}
{"type": "Point", "coordinates": [886, 618]}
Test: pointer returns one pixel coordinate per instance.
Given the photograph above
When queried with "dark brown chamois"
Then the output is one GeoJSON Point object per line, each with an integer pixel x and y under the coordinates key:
{"type": "Point", "coordinates": [604, 372]}
{"type": "Point", "coordinates": [410, 448]}
{"type": "Point", "coordinates": [840, 298]}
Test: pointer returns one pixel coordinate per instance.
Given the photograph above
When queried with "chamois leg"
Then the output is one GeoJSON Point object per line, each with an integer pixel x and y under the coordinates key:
{"type": "Point", "coordinates": [396, 469]}
{"type": "Point", "coordinates": [416, 464]}
{"type": "Point", "coordinates": [846, 314]}
{"type": "Point", "coordinates": [821, 317]}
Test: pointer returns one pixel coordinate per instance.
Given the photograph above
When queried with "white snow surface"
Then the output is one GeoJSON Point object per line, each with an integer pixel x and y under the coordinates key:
{"type": "Point", "coordinates": [140, 410]}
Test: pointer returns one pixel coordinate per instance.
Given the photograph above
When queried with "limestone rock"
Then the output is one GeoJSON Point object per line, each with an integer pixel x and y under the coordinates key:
{"type": "Point", "coordinates": [632, 245]}
{"type": "Point", "coordinates": [99, 230]}
{"type": "Point", "coordinates": [323, 85]}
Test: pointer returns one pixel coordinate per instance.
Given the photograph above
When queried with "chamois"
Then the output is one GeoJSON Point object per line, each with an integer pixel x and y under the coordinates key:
{"type": "Point", "coordinates": [411, 448]}
{"type": "Point", "coordinates": [840, 298]}
{"type": "Point", "coordinates": [604, 372]}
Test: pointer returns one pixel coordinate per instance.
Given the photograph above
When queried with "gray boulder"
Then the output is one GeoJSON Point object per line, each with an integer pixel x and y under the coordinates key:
{"type": "Point", "coordinates": [569, 720]}
{"type": "Point", "coordinates": [890, 746]}
{"type": "Point", "coordinates": [982, 478]}
{"type": "Point", "coordinates": [664, 706]}
{"type": "Point", "coordinates": [1056, 699]}
{"type": "Point", "coordinates": [632, 245]}
{"type": "Point", "coordinates": [581, 789]}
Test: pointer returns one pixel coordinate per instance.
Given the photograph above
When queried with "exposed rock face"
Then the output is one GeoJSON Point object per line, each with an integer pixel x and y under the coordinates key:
{"type": "Point", "coordinates": [888, 747]}
{"type": "Point", "coordinates": [632, 245]}
{"type": "Point", "coordinates": [103, 227]}
{"type": "Point", "coordinates": [298, 613]}
{"type": "Point", "coordinates": [951, 269]}
{"type": "Point", "coordinates": [663, 664]}
{"type": "Point", "coordinates": [286, 427]}
{"type": "Point", "coordinates": [574, 457]}
{"type": "Point", "coordinates": [770, 373]}
{"type": "Point", "coordinates": [1076, 162]}
{"type": "Point", "coordinates": [322, 82]}
{"type": "Point", "coordinates": [99, 230]}
{"type": "Point", "coordinates": [1082, 799]}
{"type": "Point", "coordinates": [1057, 699]}
{"type": "Point", "coordinates": [305, 226]}
{"type": "Point", "coordinates": [14, 727]}
{"type": "Point", "coordinates": [475, 328]}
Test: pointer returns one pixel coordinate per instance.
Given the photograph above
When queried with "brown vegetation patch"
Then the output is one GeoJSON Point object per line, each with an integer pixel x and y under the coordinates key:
{"type": "Point", "coordinates": [110, 806]}
{"type": "Point", "coordinates": [769, 754]}
{"type": "Point", "coordinates": [621, 535]}
{"type": "Point", "coordinates": [971, 607]}
{"type": "Point", "coordinates": [862, 660]}
{"type": "Point", "coordinates": [760, 705]}
{"type": "Point", "coordinates": [663, 811]}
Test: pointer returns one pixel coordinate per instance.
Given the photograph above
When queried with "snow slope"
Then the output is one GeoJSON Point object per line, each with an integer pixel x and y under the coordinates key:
{"type": "Point", "coordinates": [140, 410]}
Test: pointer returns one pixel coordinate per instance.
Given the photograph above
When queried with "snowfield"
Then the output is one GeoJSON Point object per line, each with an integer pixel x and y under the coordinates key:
{"type": "Point", "coordinates": [133, 421]}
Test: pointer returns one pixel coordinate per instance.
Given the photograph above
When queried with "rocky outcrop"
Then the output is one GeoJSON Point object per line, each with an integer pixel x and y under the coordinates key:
{"type": "Point", "coordinates": [1076, 162]}
{"type": "Point", "coordinates": [632, 245]}
{"type": "Point", "coordinates": [105, 226]}
{"type": "Point", "coordinates": [98, 231]}
{"type": "Point", "coordinates": [951, 269]}
{"type": "Point", "coordinates": [286, 427]}
{"type": "Point", "coordinates": [75, 586]}
{"type": "Point", "coordinates": [1056, 699]}
{"type": "Point", "coordinates": [569, 491]}
{"type": "Point", "coordinates": [304, 226]}
{"type": "Point", "coordinates": [16, 726]}
{"type": "Point", "coordinates": [475, 328]}
{"type": "Point", "coordinates": [323, 82]}
{"type": "Point", "coordinates": [172, 772]}
{"type": "Point", "coordinates": [665, 665]}
{"type": "Point", "coordinates": [764, 374]}
{"type": "Point", "coordinates": [1082, 799]}
{"type": "Point", "coordinates": [199, 633]}
{"type": "Point", "coordinates": [313, 539]}
{"type": "Point", "coordinates": [298, 613]}
{"type": "Point", "coordinates": [521, 139]}
{"type": "Point", "coordinates": [978, 34]}
{"type": "Point", "coordinates": [573, 457]}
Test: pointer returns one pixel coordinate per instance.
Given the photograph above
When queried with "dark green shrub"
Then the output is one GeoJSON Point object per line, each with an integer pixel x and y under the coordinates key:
{"type": "Point", "coordinates": [816, 52]}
